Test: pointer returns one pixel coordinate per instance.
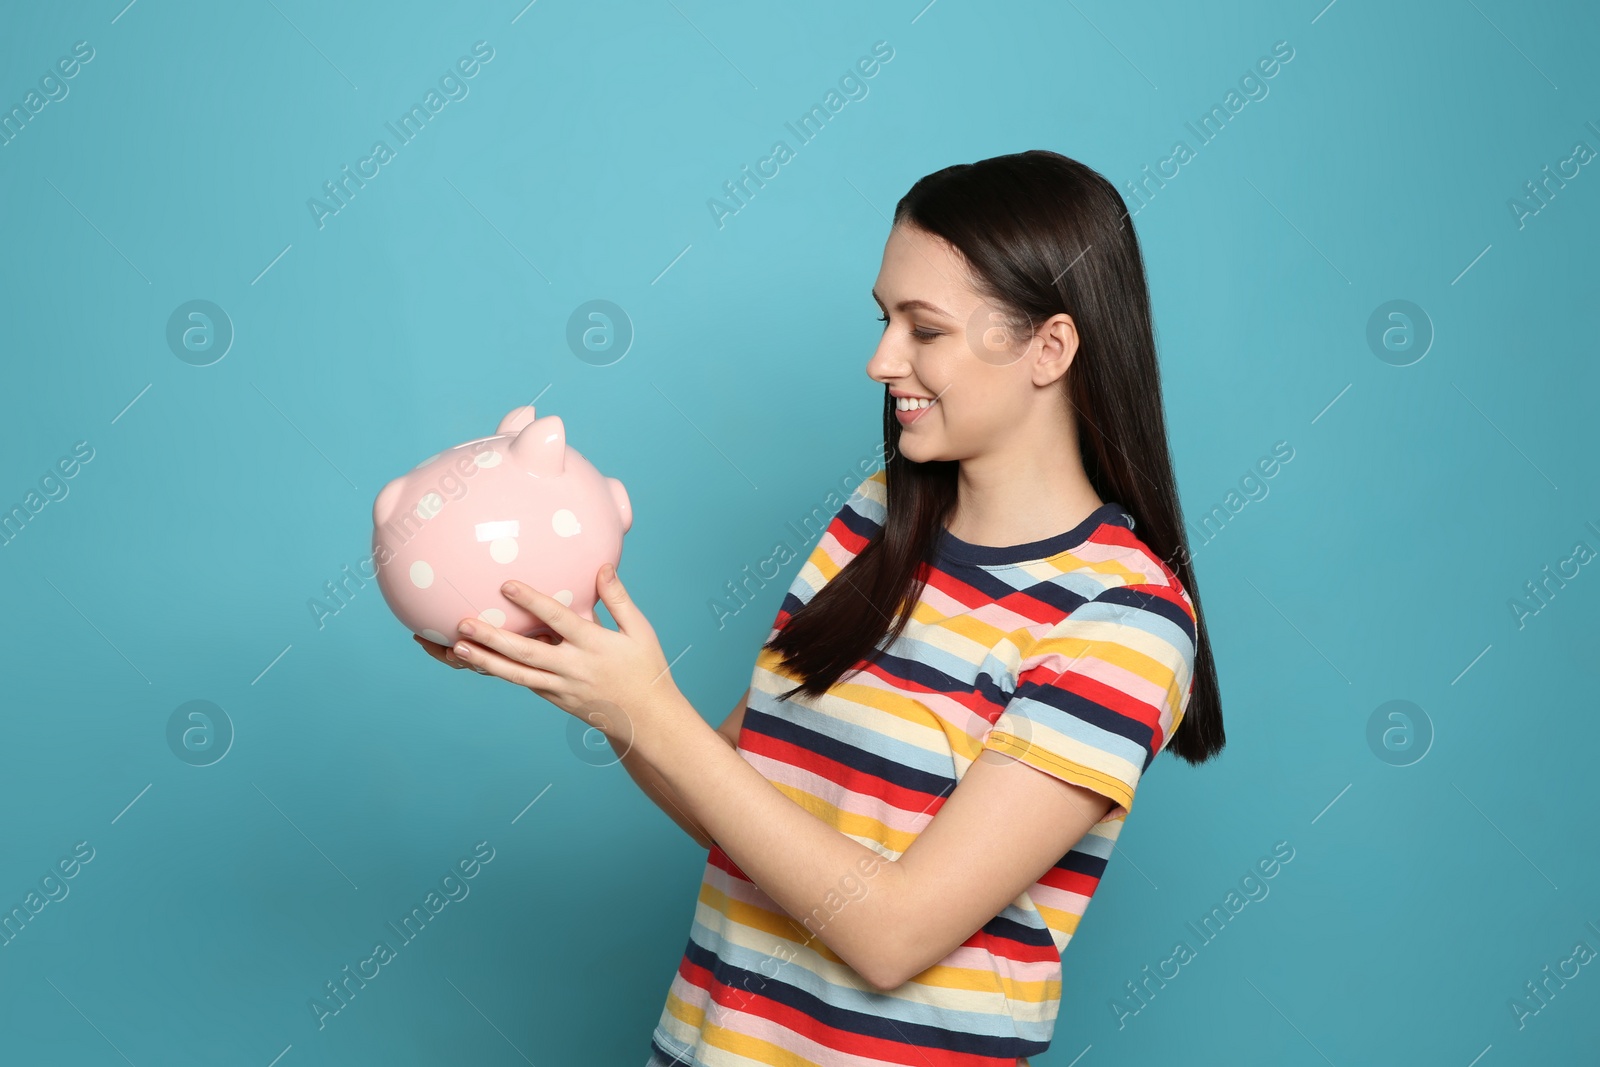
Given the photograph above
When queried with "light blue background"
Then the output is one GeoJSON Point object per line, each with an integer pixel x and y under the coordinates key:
{"type": "Point", "coordinates": [1419, 501]}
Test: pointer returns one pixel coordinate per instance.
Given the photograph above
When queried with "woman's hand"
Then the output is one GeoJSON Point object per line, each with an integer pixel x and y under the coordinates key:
{"type": "Point", "coordinates": [445, 655]}
{"type": "Point", "coordinates": [438, 652]}
{"type": "Point", "coordinates": [590, 669]}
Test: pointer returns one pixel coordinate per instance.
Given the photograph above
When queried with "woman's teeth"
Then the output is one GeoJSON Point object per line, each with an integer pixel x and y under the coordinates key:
{"type": "Point", "coordinates": [911, 403]}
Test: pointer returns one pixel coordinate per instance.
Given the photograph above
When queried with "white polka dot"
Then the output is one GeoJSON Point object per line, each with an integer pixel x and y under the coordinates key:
{"type": "Point", "coordinates": [493, 616]}
{"type": "Point", "coordinates": [565, 596]}
{"type": "Point", "coordinates": [429, 506]}
{"type": "Point", "coordinates": [436, 637]}
{"type": "Point", "coordinates": [421, 574]}
{"type": "Point", "coordinates": [503, 549]}
{"type": "Point", "coordinates": [565, 523]}
{"type": "Point", "coordinates": [491, 458]}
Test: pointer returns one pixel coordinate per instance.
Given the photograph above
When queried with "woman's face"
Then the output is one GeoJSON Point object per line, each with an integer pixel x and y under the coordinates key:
{"type": "Point", "coordinates": [945, 342]}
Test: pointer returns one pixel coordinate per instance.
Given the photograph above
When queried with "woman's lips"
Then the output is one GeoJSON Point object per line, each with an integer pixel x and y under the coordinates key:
{"type": "Point", "coordinates": [908, 417]}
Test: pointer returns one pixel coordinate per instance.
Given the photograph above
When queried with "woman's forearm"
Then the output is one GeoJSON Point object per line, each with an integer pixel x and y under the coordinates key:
{"type": "Point", "coordinates": [663, 796]}
{"type": "Point", "coordinates": [807, 867]}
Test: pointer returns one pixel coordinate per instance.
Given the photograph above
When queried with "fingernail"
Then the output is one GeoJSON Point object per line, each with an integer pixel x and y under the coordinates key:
{"type": "Point", "coordinates": [461, 651]}
{"type": "Point", "coordinates": [509, 589]}
{"type": "Point", "coordinates": [466, 628]}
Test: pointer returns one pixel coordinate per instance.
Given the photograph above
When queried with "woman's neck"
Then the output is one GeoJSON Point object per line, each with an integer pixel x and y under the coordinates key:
{"type": "Point", "coordinates": [1019, 502]}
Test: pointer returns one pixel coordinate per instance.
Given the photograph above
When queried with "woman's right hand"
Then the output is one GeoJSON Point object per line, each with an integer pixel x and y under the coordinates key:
{"type": "Point", "coordinates": [445, 653]}
{"type": "Point", "coordinates": [439, 652]}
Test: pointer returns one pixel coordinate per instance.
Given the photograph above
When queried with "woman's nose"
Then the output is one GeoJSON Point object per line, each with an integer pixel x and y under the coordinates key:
{"type": "Point", "coordinates": [885, 364]}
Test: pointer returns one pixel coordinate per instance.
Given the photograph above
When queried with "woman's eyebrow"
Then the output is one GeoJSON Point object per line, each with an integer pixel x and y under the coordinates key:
{"type": "Point", "coordinates": [913, 305]}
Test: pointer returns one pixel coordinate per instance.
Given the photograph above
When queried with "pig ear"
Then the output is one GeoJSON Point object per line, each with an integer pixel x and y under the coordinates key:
{"type": "Point", "coordinates": [624, 506]}
{"type": "Point", "coordinates": [516, 419]}
{"type": "Point", "coordinates": [388, 501]}
{"type": "Point", "coordinates": [541, 446]}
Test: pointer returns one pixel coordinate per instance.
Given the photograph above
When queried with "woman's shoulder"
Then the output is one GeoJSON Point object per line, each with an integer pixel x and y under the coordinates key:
{"type": "Point", "coordinates": [1117, 589]}
{"type": "Point", "coordinates": [855, 521]}
{"type": "Point", "coordinates": [850, 519]}
{"type": "Point", "coordinates": [868, 502]}
{"type": "Point", "coordinates": [1120, 558]}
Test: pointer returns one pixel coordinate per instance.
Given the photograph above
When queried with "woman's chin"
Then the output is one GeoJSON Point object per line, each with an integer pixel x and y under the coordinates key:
{"type": "Point", "coordinates": [918, 450]}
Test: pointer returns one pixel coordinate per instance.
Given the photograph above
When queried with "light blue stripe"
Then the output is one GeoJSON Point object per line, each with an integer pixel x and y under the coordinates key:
{"type": "Point", "coordinates": [935, 762]}
{"type": "Point", "coordinates": [1134, 618]}
{"type": "Point", "coordinates": [868, 1001]}
{"type": "Point", "coordinates": [1081, 730]}
{"type": "Point", "coordinates": [1095, 845]}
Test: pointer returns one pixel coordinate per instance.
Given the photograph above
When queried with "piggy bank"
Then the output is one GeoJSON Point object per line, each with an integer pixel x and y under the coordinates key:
{"type": "Point", "coordinates": [521, 504]}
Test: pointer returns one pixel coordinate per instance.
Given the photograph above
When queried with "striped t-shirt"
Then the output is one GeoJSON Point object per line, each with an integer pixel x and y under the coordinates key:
{"type": "Point", "coordinates": [1073, 654]}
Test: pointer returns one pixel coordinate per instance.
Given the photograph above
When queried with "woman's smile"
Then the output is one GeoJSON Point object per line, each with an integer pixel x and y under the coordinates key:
{"type": "Point", "coordinates": [910, 409]}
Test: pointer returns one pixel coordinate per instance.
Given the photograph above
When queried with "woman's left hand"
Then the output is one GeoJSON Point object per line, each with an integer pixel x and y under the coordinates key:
{"type": "Point", "coordinates": [591, 670]}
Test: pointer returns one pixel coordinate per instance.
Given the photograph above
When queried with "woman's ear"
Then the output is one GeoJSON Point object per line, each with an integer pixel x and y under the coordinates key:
{"type": "Point", "coordinates": [1058, 340]}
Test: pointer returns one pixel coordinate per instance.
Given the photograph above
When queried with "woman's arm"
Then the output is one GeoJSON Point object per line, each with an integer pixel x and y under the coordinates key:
{"type": "Point", "coordinates": [1002, 827]}
{"type": "Point", "coordinates": [654, 787]}
{"type": "Point", "coordinates": [997, 832]}
{"type": "Point", "coordinates": [643, 775]}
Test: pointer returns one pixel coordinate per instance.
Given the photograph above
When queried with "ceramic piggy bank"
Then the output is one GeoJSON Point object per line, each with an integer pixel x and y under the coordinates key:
{"type": "Point", "coordinates": [520, 504]}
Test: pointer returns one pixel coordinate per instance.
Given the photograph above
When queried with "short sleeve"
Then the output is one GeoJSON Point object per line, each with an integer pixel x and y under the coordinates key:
{"type": "Point", "coordinates": [1099, 693]}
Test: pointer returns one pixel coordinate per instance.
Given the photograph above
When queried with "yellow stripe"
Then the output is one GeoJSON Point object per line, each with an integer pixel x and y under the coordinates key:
{"type": "Point", "coordinates": [1039, 992]}
{"type": "Point", "coordinates": [861, 826]}
{"type": "Point", "coordinates": [983, 636]}
{"type": "Point", "coordinates": [1129, 575]}
{"type": "Point", "coordinates": [775, 924]}
{"type": "Point", "coordinates": [1065, 922]}
{"type": "Point", "coordinates": [937, 975]}
{"type": "Point", "coordinates": [1109, 649]}
{"type": "Point", "coordinates": [684, 1012]}
{"type": "Point", "coordinates": [973, 980]}
{"type": "Point", "coordinates": [754, 1048]}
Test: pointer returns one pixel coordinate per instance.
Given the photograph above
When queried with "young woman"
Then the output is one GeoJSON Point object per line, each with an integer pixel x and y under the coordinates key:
{"type": "Point", "coordinates": [910, 808]}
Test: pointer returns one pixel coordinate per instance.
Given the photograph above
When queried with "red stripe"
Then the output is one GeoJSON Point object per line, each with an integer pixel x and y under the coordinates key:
{"type": "Point", "coordinates": [1115, 534]}
{"type": "Point", "coordinates": [971, 700]}
{"type": "Point", "coordinates": [1016, 952]}
{"type": "Point", "coordinates": [847, 538]}
{"type": "Point", "coordinates": [839, 774]}
{"type": "Point", "coordinates": [1027, 607]}
{"type": "Point", "coordinates": [1070, 881]}
{"type": "Point", "coordinates": [889, 1051]}
{"type": "Point", "coordinates": [722, 861]}
{"type": "Point", "coordinates": [1094, 691]}
{"type": "Point", "coordinates": [1170, 594]}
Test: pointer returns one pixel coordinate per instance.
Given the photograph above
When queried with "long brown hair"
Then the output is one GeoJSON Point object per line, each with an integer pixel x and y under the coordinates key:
{"type": "Point", "coordinates": [1042, 234]}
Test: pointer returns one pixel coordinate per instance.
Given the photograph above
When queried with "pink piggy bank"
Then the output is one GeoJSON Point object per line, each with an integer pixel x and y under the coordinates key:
{"type": "Point", "coordinates": [520, 504]}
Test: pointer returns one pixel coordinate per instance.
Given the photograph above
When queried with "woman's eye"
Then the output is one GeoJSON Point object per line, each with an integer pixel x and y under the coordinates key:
{"type": "Point", "coordinates": [921, 335]}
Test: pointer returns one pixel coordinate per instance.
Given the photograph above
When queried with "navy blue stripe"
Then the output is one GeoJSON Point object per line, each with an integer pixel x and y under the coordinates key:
{"type": "Point", "coordinates": [755, 985]}
{"type": "Point", "coordinates": [1137, 597]}
{"type": "Point", "coordinates": [989, 585]}
{"type": "Point", "coordinates": [912, 674]}
{"type": "Point", "coordinates": [1015, 932]}
{"type": "Point", "coordinates": [660, 1057]}
{"type": "Point", "coordinates": [1078, 706]}
{"type": "Point", "coordinates": [1085, 863]}
{"type": "Point", "coordinates": [1062, 599]}
{"type": "Point", "coordinates": [903, 669]}
{"type": "Point", "coordinates": [952, 550]}
{"type": "Point", "coordinates": [857, 759]}
{"type": "Point", "coordinates": [856, 522]}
